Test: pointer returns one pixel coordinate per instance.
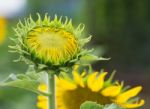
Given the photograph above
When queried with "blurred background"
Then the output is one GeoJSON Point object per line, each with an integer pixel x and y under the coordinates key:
{"type": "Point", "coordinates": [120, 30]}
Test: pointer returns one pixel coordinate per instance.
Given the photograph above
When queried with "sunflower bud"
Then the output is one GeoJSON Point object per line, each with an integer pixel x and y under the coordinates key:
{"type": "Point", "coordinates": [52, 43]}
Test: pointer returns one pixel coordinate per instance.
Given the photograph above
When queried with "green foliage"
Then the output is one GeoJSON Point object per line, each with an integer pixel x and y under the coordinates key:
{"type": "Point", "coordinates": [91, 105]}
{"type": "Point", "coordinates": [91, 58]}
{"type": "Point", "coordinates": [94, 105]}
{"type": "Point", "coordinates": [112, 106]}
{"type": "Point", "coordinates": [29, 81]}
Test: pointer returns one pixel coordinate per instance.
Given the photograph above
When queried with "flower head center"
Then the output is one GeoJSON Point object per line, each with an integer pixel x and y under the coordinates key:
{"type": "Point", "coordinates": [80, 95]}
{"type": "Point", "coordinates": [54, 45]}
{"type": "Point", "coordinates": [51, 40]}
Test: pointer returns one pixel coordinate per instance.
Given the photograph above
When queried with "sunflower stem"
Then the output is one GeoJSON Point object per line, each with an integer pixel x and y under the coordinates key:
{"type": "Point", "coordinates": [51, 88]}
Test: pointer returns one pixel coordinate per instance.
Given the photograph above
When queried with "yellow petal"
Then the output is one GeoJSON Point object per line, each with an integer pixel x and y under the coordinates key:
{"type": "Point", "coordinates": [42, 104]}
{"type": "Point", "coordinates": [43, 88]}
{"type": "Point", "coordinates": [78, 79]}
{"type": "Point", "coordinates": [91, 79]}
{"type": "Point", "coordinates": [41, 97]}
{"type": "Point", "coordinates": [2, 29]}
{"type": "Point", "coordinates": [122, 98]}
{"type": "Point", "coordinates": [96, 83]}
{"type": "Point", "coordinates": [133, 105]}
{"type": "Point", "coordinates": [67, 85]}
{"type": "Point", "coordinates": [38, 29]}
{"type": "Point", "coordinates": [111, 91]}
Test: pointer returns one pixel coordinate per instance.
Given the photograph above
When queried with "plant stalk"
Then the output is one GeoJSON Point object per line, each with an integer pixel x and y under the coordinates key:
{"type": "Point", "coordinates": [51, 89]}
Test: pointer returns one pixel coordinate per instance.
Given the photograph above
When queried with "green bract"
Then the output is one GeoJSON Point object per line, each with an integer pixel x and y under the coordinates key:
{"type": "Point", "coordinates": [51, 43]}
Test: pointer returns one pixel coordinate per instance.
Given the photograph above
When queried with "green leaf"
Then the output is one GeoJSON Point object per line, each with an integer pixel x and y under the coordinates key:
{"type": "Point", "coordinates": [91, 58]}
{"type": "Point", "coordinates": [94, 105]}
{"type": "Point", "coordinates": [29, 81]}
{"type": "Point", "coordinates": [31, 85]}
{"type": "Point", "coordinates": [90, 105]}
{"type": "Point", "coordinates": [112, 106]}
{"type": "Point", "coordinates": [85, 40]}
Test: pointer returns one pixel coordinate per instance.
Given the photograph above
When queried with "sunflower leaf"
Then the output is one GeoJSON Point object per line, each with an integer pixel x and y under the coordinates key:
{"type": "Point", "coordinates": [112, 106]}
{"type": "Point", "coordinates": [24, 84]}
{"type": "Point", "coordinates": [94, 105]}
{"type": "Point", "coordinates": [91, 58]}
{"type": "Point", "coordinates": [29, 81]}
{"type": "Point", "coordinates": [90, 105]}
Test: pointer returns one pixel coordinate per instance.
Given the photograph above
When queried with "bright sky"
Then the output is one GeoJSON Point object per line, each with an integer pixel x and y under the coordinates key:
{"type": "Point", "coordinates": [9, 8]}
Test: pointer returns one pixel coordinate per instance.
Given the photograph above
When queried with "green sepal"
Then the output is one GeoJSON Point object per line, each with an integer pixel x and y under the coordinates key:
{"type": "Point", "coordinates": [89, 58]}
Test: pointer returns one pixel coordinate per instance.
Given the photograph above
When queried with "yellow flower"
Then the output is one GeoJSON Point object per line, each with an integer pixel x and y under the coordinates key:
{"type": "Point", "coordinates": [43, 100]}
{"type": "Point", "coordinates": [71, 92]}
{"type": "Point", "coordinates": [52, 43]}
{"type": "Point", "coordinates": [2, 29]}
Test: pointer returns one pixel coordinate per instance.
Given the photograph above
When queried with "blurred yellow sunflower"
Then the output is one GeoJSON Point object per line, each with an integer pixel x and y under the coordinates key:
{"type": "Point", "coordinates": [43, 100]}
{"type": "Point", "coordinates": [71, 92]}
{"type": "Point", "coordinates": [2, 29]}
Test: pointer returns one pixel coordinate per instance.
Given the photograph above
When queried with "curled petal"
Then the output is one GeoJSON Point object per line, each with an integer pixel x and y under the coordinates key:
{"type": "Point", "coordinates": [78, 79]}
{"type": "Point", "coordinates": [125, 96]}
{"type": "Point", "coordinates": [133, 105]}
{"type": "Point", "coordinates": [96, 83]}
{"type": "Point", "coordinates": [111, 91]}
{"type": "Point", "coordinates": [67, 85]}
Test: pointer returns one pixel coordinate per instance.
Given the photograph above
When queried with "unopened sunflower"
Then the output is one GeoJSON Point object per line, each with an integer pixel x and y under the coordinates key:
{"type": "Point", "coordinates": [71, 92]}
{"type": "Point", "coordinates": [49, 42]}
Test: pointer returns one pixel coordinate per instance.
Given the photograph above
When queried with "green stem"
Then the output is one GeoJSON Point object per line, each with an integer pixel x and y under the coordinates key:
{"type": "Point", "coordinates": [51, 85]}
